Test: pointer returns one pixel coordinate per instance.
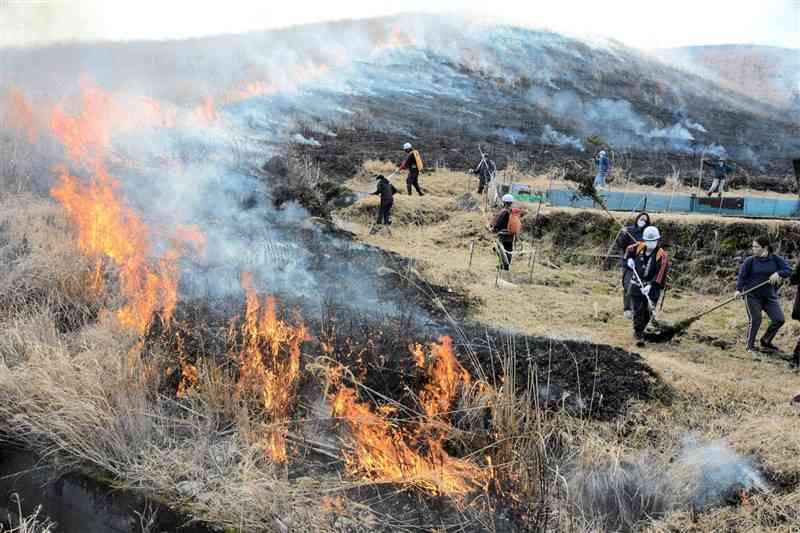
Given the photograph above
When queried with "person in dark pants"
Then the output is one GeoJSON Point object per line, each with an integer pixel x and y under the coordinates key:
{"type": "Point", "coordinates": [721, 170]}
{"type": "Point", "coordinates": [795, 280]}
{"type": "Point", "coordinates": [485, 170]}
{"type": "Point", "coordinates": [412, 162]}
{"type": "Point", "coordinates": [386, 191]}
{"type": "Point", "coordinates": [505, 234]}
{"type": "Point", "coordinates": [763, 265]}
{"type": "Point", "coordinates": [627, 237]}
{"type": "Point", "coordinates": [651, 263]}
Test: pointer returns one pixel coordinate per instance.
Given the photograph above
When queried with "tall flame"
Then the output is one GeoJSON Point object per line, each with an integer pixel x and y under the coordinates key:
{"type": "Point", "coordinates": [269, 365]}
{"type": "Point", "coordinates": [109, 230]}
{"type": "Point", "coordinates": [383, 451]}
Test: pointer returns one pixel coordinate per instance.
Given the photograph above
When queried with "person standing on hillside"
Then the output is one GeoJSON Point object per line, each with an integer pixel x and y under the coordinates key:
{"type": "Point", "coordinates": [506, 225]}
{"type": "Point", "coordinates": [386, 191]}
{"type": "Point", "coordinates": [603, 165]}
{"type": "Point", "coordinates": [760, 267]}
{"type": "Point", "coordinates": [649, 263]}
{"type": "Point", "coordinates": [485, 170]}
{"type": "Point", "coordinates": [626, 238]}
{"type": "Point", "coordinates": [721, 172]}
{"type": "Point", "coordinates": [795, 280]}
{"type": "Point", "coordinates": [412, 162]}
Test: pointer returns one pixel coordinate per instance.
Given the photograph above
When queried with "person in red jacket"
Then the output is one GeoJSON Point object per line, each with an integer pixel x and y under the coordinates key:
{"type": "Point", "coordinates": [649, 263]}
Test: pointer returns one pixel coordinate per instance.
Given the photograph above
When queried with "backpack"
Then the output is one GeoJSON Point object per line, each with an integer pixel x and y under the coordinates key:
{"type": "Point", "coordinates": [514, 222]}
{"type": "Point", "coordinates": [418, 158]}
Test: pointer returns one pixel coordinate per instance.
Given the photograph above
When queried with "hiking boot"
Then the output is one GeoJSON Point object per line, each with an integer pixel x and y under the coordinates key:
{"type": "Point", "coordinates": [769, 347]}
{"type": "Point", "coordinates": [628, 315]}
{"type": "Point", "coordinates": [753, 353]}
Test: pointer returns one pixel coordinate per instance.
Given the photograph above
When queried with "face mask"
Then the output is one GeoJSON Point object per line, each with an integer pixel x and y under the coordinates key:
{"type": "Point", "coordinates": [651, 245]}
{"type": "Point", "coordinates": [641, 223]}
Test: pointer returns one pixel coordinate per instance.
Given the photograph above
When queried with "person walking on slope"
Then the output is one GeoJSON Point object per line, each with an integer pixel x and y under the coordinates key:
{"type": "Point", "coordinates": [627, 237]}
{"type": "Point", "coordinates": [506, 225]}
{"type": "Point", "coordinates": [763, 265]}
{"type": "Point", "coordinates": [603, 165]}
{"type": "Point", "coordinates": [649, 263]}
{"type": "Point", "coordinates": [721, 171]}
{"type": "Point", "coordinates": [795, 280]}
{"type": "Point", "coordinates": [386, 191]}
{"type": "Point", "coordinates": [485, 170]}
{"type": "Point", "coordinates": [412, 162]}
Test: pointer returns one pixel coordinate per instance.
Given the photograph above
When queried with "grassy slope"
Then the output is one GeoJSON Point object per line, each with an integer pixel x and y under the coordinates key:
{"type": "Point", "coordinates": [723, 393]}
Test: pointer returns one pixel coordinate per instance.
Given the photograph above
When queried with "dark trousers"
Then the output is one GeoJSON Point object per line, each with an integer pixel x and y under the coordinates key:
{"type": "Point", "coordinates": [383, 212]}
{"type": "Point", "coordinates": [482, 184]}
{"type": "Point", "coordinates": [413, 181]}
{"type": "Point", "coordinates": [641, 313]}
{"type": "Point", "coordinates": [754, 305]}
{"type": "Point", "coordinates": [508, 249]}
{"type": "Point", "coordinates": [627, 276]}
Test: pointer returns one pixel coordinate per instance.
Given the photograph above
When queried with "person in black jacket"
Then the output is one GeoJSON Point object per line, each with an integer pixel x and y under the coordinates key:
{"type": "Point", "coordinates": [650, 262]}
{"type": "Point", "coordinates": [386, 191]}
{"type": "Point", "coordinates": [795, 280]}
{"type": "Point", "coordinates": [485, 170]}
{"type": "Point", "coordinates": [721, 171]}
{"type": "Point", "coordinates": [760, 267]}
{"type": "Point", "coordinates": [627, 237]}
{"type": "Point", "coordinates": [499, 226]}
{"type": "Point", "coordinates": [412, 162]}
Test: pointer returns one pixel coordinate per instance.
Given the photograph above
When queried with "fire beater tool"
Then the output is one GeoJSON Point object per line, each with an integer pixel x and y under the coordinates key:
{"type": "Point", "coordinates": [668, 331]}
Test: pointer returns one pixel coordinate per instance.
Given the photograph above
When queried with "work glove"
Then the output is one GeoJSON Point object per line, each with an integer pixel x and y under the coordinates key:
{"type": "Point", "coordinates": [646, 289]}
{"type": "Point", "coordinates": [631, 264]}
{"type": "Point", "coordinates": [737, 294]}
{"type": "Point", "coordinates": [775, 279]}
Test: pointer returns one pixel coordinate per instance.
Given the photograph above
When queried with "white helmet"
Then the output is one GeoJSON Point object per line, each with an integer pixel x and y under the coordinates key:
{"type": "Point", "coordinates": [651, 233]}
{"type": "Point", "coordinates": [407, 146]}
{"type": "Point", "coordinates": [507, 199]}
{"type": "Point", "coordinates": [602, 152]}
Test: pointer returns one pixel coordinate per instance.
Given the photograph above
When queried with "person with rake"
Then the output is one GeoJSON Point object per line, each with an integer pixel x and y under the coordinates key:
{"type": "Point", "coordinates": [627, 237]}
{"type": "Point", "coordinates": [756, 270]}
{"type": "Point", "coordinates": [506, 225]}
{"type": "Point", "coordinates": [649, 264]}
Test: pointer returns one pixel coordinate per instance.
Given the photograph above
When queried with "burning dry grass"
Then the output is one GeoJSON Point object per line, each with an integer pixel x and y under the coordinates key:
{"type": "Point", "coordinates": [623, 478]}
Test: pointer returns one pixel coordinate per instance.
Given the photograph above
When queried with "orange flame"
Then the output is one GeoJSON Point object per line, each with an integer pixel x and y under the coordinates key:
{"type": "Point", "coordinates": [381, 448]}
{"type": "Point", "coordinates": [20, 114]}
{"type": "Point", "coordinates": [300, 75]}
{"type": "Point", "coordinates": [109, 230]}
{"type": "Point", "coordinates": [206, 111]}
{"type": "Point", "coordinates": [269, 365]}
{"type": "Point", "coordinates": [396, 38]}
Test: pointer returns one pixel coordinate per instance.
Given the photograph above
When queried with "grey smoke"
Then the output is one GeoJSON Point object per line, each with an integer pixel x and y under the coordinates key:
{"type": "Point", "coordinates": [629, 490]}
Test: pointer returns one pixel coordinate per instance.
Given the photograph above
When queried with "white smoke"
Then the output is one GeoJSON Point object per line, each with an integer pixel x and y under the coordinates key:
{"type": "Point", "coordinates": [717, 473]}
{"type": "Point", "coordinates": [554, 137]}
{"type": "Point", "coordinates": [299, 139]}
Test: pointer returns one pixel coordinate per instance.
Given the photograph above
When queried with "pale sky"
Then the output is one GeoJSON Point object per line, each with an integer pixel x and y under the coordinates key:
{"type": "Point", "coordinates": [640, 23]}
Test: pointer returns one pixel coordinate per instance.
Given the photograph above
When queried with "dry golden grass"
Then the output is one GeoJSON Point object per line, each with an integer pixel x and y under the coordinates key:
{"type": "Point", "coordinates": [88, 397]}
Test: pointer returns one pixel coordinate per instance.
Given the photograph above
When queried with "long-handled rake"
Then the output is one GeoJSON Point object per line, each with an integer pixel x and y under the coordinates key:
{"type": "Point", "coordinates": [668, 331]}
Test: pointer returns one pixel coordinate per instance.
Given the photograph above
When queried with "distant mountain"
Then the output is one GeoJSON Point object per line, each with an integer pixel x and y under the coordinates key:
{"type": "Point", "coordinates": [763, 72]}
{"type": "Point", "coordinates": [345, 91]}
